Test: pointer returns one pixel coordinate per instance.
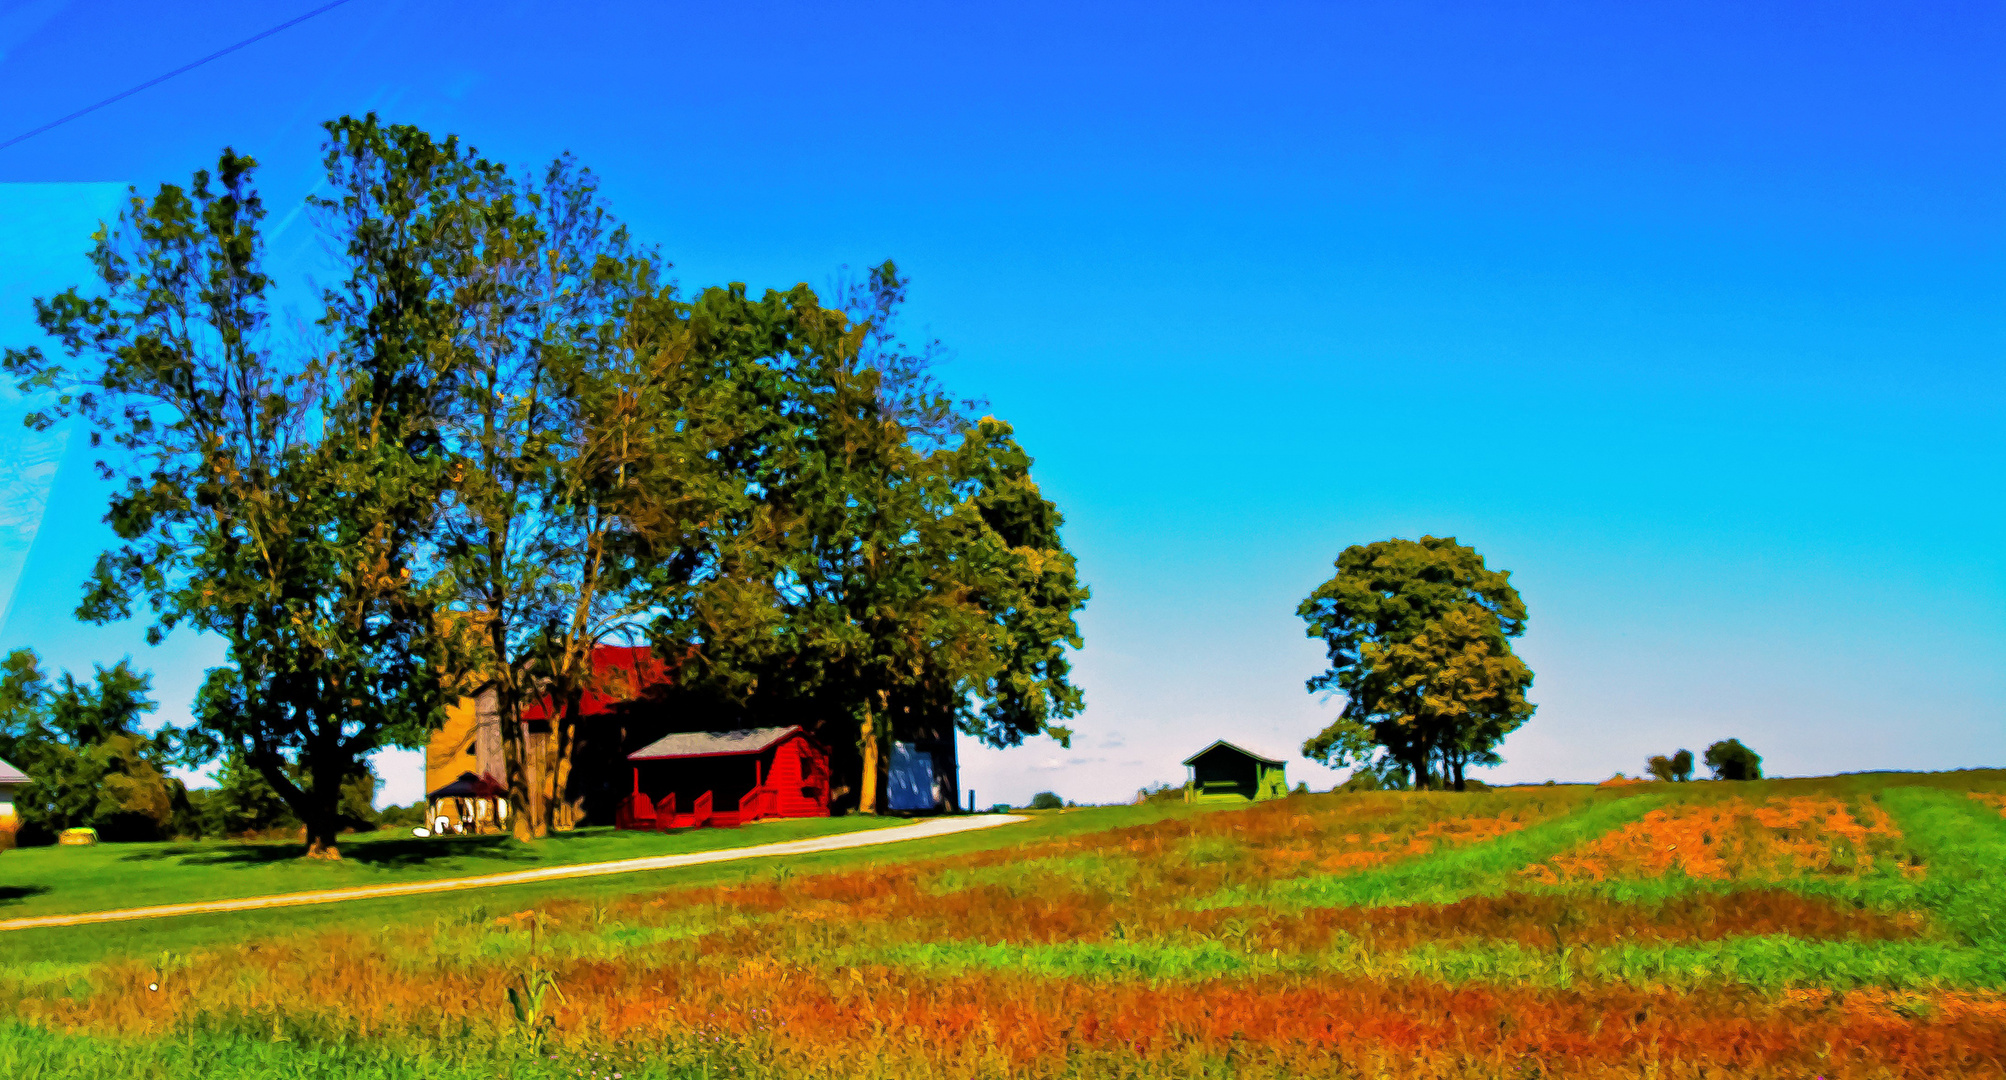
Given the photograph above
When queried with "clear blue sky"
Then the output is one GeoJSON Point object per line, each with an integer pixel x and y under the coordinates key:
{"type": "Point", "coordinates": [1689, 315]}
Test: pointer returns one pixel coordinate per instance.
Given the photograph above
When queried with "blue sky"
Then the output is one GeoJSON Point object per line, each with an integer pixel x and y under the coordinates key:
{"type": "Point", "coordinates": [1689, 315]}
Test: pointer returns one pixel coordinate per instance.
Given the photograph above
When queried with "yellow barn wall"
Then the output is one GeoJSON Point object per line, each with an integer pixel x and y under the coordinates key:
{"type": "Point", "coordinates": [451, 751]}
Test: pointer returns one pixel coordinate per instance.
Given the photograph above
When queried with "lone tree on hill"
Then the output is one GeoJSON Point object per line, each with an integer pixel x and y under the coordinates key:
{"type": "Point", "coordinates": [1730, 760]}
{"type": "Point", "coordinates": [1418, 633]}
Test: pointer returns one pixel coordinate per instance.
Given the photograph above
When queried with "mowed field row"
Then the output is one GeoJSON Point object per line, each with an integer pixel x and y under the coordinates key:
{"type": "Point", "coordinates": [1846, 927]}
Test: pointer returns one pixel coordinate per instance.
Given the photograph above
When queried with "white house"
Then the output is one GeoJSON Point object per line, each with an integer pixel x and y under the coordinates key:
{"type": "Point", "coordinates": [11, 779]}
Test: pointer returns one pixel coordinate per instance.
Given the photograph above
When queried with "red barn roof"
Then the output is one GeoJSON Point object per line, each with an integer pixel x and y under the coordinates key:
{"type": "Point", "coordinates": [620, 673]}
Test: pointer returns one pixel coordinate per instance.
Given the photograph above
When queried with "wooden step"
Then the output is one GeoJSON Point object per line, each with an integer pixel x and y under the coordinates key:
{"type": "Point", "coordinates": [726, 819]}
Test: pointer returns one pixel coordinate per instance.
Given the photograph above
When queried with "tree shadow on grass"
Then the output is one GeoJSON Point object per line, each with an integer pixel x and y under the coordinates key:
{"type": "Point", "coordinates": [410, 852]}
{"type": "Point", "coordinates": [171, 851]}
{"type": "Point", "coordinates": [10, 894]}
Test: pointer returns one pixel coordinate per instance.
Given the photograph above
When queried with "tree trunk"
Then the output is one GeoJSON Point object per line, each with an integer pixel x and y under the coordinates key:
{"type": "Point", "coordinates": [867, 802]}
{"type": "Point", "coordinates": [533, 756]}
{"type": "Point", "coordinates": [515, 757]}
{"type": "Point", "coordinates": [320, 843]}
{"type": "Point", "coordinates": [953, 770]}
{"type": "Point", "coordinates": [323, 825]}
{"type": "Point", "coordinates": [564, 739]}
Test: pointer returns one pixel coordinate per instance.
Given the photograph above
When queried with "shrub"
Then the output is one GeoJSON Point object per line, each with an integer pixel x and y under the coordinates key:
{"type": "Point", "coordinates": [92, 765]}
{"type": "Point", "coordinates": [1047, 800]}
{"type": "Point", "coordinates": [402, 817]}
{"type": "Point", "coordinates": [1730, 760]}
{"type": "Point", "coordinates": [1676, 768]}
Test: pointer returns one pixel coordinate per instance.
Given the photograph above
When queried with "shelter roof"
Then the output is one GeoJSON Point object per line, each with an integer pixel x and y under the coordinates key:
{"type": "Point", "coordinates": [469, 786]}
{"type": "Point", "coordinates": [687, 744]}
{"type": "Point", "coordinates": [620, 673]}
{"type": "Point", "coordinates": [11, 775]}
{"type": "Point", "coordinates": [1236, 749]}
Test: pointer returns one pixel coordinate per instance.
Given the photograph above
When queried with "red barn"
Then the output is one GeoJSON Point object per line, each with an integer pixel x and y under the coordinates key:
{"type": "Point", "coordinates": [620, 674]}
{"type": "Point", "coordinates": [726, 778]}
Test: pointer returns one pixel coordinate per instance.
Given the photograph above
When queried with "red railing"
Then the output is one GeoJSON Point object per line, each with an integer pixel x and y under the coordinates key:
{"type": "Point", "coordinates": [636, 812]}
{"type": "Point", "coordinates": [665, 812]}
{"type": "Point", "coordinates": [700, 810]}
{"type": "Point", "coordinates": [758, 803]}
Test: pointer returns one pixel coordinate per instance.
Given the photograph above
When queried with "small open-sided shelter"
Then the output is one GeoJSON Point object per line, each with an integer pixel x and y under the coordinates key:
{"type": "Point", "coordinates": [1224, 771]}
{"type": "Point", "coordinates": [469, 804]}
{"type": "Point", "coordinates": [11, 780]}
{"type": "Point", "coordinates": [468, 743]}
{"type": "Point", "coordinates": [726, 778]}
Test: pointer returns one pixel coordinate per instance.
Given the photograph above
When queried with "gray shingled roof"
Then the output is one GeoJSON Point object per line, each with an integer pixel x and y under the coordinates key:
{"type": "Point", "coordinates": [11, 775]}
{"type": "Point", "coordinates": [705, 743]}
{"type": "Point", "coordinates": [1230, 746]}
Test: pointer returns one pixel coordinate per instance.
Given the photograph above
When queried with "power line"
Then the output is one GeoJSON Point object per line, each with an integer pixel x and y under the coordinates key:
{"type": "Point", "coordinates": [183, 69]}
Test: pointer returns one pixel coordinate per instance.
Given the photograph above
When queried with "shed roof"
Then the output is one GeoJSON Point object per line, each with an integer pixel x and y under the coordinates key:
{"type": "Point", "coordinates": [11, 775]}
{"type": "Point", "coordinates": [712, 743]}
{"type": "Point", "coordinates": [469, 786]}
{"type": "Point", "coordinates": [1236, 749]}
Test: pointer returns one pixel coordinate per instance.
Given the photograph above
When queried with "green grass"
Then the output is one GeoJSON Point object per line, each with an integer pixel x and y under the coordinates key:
{"type": "Point", "coordinates": [1769, 963]}
{"type": "Point", "coordinates": [1451, 874]}
{"type": "Point", "coordinates": [1964, 844]}
{"type": "Point", "coordinates": [29, 1053]}
{"type": "Point", "coordinates": [147, 938]}
{"type": "Point", "coordinates": [67, 880]}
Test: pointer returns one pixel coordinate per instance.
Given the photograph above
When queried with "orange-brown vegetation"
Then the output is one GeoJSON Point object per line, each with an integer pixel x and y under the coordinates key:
{"type": "Point", "coordinates": [971, 966]}
{"type": "Point", "coordinates": [1731, 839]}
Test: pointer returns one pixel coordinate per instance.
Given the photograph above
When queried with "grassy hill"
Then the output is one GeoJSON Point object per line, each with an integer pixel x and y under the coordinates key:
{"type": "Point", "coordinates": [65, 880]}
{"type": "Point", "coordinates": [1841, 927]}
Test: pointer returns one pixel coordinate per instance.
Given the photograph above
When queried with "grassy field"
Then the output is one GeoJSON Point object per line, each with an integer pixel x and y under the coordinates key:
{"type": "Point", "coordinates": [1850, 927]}
{"type": "Point", "coordinates": [64, 880]}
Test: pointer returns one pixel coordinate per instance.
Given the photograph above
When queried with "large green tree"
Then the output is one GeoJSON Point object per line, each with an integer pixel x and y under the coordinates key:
{"type": "Point", "coordinates": [1418, 634]}
{"type": "Point", "coordinates": [89, 763]}
{"type": "Point", "coordinates": [567, 394]}
{"type": "Point", "coordinates": [888, 561]}
{"type": "Point", "coordinates": [283, 494]}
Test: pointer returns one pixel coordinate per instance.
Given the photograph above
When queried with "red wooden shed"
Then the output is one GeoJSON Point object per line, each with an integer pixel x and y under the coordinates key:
{"type": "Point", "coordinates": [726, 778]}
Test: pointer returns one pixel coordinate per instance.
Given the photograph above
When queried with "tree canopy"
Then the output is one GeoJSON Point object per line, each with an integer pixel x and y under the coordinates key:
{"type": "Point", "coordinates": [1677, 768]}
{"type": "Point", "coordinates": [280, 494]}
{"type": "Point", "coordinates": [1418, 640]}
{"type": "Point", "coordinates": [893, 563]}
{"type": "Point", "coordinates": [1730, 760]}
